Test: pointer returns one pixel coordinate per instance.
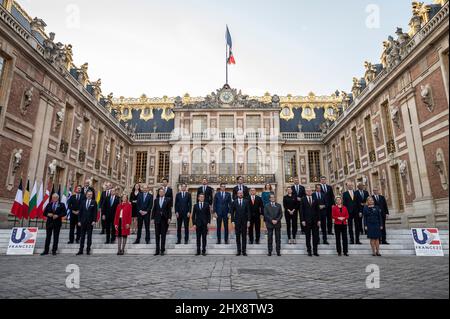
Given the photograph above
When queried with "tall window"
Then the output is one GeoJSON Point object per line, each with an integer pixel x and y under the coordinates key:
{"type": "Point", "coordinates": [164, 165]}
{"type": "Point", "coordinates": [226, 164]}
{"type": "Point", "coordinates": [370, 143]}
{"type": "Point", "coordinates": [200, 123]}
{"type": "Point", "coordinates": [100, 142]}
{"type": "Point", "coordinates": [388, 128]}
{"type": "Point", "coordinates": [314, 166]}
{"type": "Point", "coordinates": [254, 162]}
{"type": "Point", "coordinates": [141, 167]}
{"type": "Point", "coordinates": [199, 162]}
{"type": "Point", "coordinates": [344, 155]}
{"type": "Point", "coordinates": [355, 149]}
{"type": "Point", "coordinates": [290, 164]}
{"type": "Point", "coordinates": [226, 123]}
{"type": "Point", "coordinates": [2, 69]}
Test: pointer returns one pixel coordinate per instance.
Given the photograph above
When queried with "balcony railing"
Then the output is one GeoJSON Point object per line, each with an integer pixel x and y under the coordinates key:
{"type": "Point", "coordinates": [152, 136]}
{"type": "Point", "coordinates": [228, 179]}
{"type": "Point", "coordinates": [296, 136]}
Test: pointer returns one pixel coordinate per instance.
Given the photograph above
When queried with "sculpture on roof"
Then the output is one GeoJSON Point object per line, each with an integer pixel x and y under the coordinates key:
{"type": "Point", "coordinates": [49, 47]}
{"type": "Point", "coordinates": [356, 88]}
{"type": "Point", "coordinates": [403, 40]}
{"type": "Point", "coordinates": [371, 72]}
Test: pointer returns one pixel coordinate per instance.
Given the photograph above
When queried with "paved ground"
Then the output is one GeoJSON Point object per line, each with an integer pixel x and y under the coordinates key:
{"type": "Point", "coordinates": [275, 277]}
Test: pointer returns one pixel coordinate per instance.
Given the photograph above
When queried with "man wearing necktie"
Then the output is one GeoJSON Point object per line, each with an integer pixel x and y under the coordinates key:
{"type": "Point", "coordinates": [144, 206]}
{"type": "Point", "coordinates": [298, 191]}
{"type": "Point", "coordinates": [240, 217]}
{"type": "Point", "coordinates": [206, 190]}
{"type": "Point", "coordinates": [222, 212]}
{"type": "Point", "coordinates": [87, 187]}
{"type": "Point", "coordinates": [318, 196]}
{"type": "Point", "coordinates": [257, 210]}
{"type": "Point", "coordinates": [73, 205]}
{"type": "Point", "coordinates": [362, 195]}
{"type": "Point", "coordinates": [54, 212]}
{"type": "Point", "coordinates": [350, 201]}
{"type": "Point", "coordinates": [310, 217]}
{"type": "Point", "coordinates": [381, 202]}
{"type": "Point", "coordinates": [161, 215]}
{"type": "Point", "coordinates": [168, 192]}
{"type": "Point", "coordinates": [104, 195]}
{"type": "Point", "coordinates": [273, 214]}
{"type": "Point", "coordinates": [87, 220]}
{"type": "Point", "coordinates": [183, 207]}
{"type": "Point", "coordinates": [201, 219]}
{"type": "Point", "coordinates": [109, 213]}
{"type": "Point", "coordinates": [241, 188]}
{"type": "Point", "coordinates": [328, 198]}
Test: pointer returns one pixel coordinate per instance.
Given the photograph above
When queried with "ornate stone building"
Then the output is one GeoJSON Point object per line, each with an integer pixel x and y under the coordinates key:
{"type": "Point", "coordinates": [390, 131]}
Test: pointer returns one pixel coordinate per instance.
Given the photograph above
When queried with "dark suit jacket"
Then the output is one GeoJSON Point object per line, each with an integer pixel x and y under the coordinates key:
{"type": "Point", "coordinates": [183, 206]}
{"type": "Point", "coordinates": [350, 204]}
{"type": "Point", "coordinates": [73, 204]}
{"type": "Point", "coordinates": [60, 211]}
{"type": "Point", "coordinates": [256, 210]}
{"type": "Point", "coordinates": [88, 215]}
{"type": "Point", "coordinates": [208, 194]}
{"type": "Point", "coordinates": [164, 213]}
{"type": "Point", "coordinates": [169, 194]}
{"type": "Point", "coordinates": [309, 213]}
{"type": "Point", "coordinates": [222, 207]}
{"type": "Point", "coordinates": [103, 197]}
{"type": "Point", "coordinates": [236, 190]}
{"type": "Point", "coordinates": [301, 193]}
{"type": "Point", "coordinates": [273, 213]}
{"type": "Point", "coordinates": [361, 200]}
{"type": "Point", "coordinates": [329, 196]}
{"type": "Point", "coordinates": [382, 204]}
{"type": "Point", "coordinates": [240, 214]}
{"type": "Point", "coordinates": [320, 199]}
{"type": "Point", "coordinates": [201, 217]}
{"type": "Point", "coordinates": [146, 205]}
{"type": "Point", "coordinates": [84, 191]}
{"type": "Point", "coordinates": [109, 209]}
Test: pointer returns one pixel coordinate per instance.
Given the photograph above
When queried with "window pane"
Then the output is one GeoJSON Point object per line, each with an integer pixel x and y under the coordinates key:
{"type": "Point", "coordinates": [290, 164]}
{"type": "Point", "coordinates": [226, 123]}
{"type": "Point", "coordinates": [2, 68]}
{"type": "Point", "coordinates": [253, 122]}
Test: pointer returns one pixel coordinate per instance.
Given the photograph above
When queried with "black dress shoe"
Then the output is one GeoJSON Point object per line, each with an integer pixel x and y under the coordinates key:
{"type": "Point", "coordinates": [238, 254]}
{"type": "Point", "coordinates": [79, 253]}
{"type": "Point", "coordinates": [346, 255]}
{"type": "Point", "coordinates": [326, 243]}
{"type": "Point", "coordinates": [45, 253]}
{"type": "Point", "coordinates": [310, 255]}
{"type": "Point", "coordinates": [178, 243]}
{"type": "Point", "coordinates": [317, 255]}
{"type": "Point", "coordinates": [251, 243]}
{"type": "Point", "coordinates": [244, 254]}
{"type": "Point", "coordinates": [54, 253]}
{"type": "Point", "coordinates": [385, 243]}
{"type": "Point", "coordinates": [340, 255]}
{"type": "Point", "coordinates": [77, 241]}
{"type": "Point", "coordinates": [218, 242]}
{"type": "Point", "coordinates": [269, 254]}
{"type": "Point", "coordinates": [88, 253]}
{"type": "Point", "coordinates": [279, 254]}
{"type": "Point", "coordinates": [352, 243]}
{"type": "Point", "coordinates": [147, 242]}
{"type": "Point", "coordinates": [137, 242]}
{"type": "Point", "coordinates": [102, 233]}
{"type": "Point", "coordinates": [70, 243]}
{"type": "Point", "coordinates": [378, 254]}
{"type": "Point", "coordinates": [197, 254]}
{"type": "Point", "coordinates": [227, 242]}
{"type": "Point", "coordinates": [107, 242]}
{"type": "Point", "coordinates": [257, 242]}
{"type": "Point", "coordinates": [203, 254]}
{"type": "Point", "coordinates": [359, 243]}
{"type": "Point", "coordinates": [186, 242]}
{"type": "Point", "coordinates": [156, 254]}
{"type": "Point", "coordinates": [162, 254]}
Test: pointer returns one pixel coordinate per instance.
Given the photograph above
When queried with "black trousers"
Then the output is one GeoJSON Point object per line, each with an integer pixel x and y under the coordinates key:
{"type": "Point", "coordinates": [383, 238]}
{"type": "Point", "coordinates": [73, 226]}
{"type": "Point", "coordinates": [241, 237]}
{"type": "Point", "coordinates": [291, 224]}
{"type": "Point", "coordinates": [86, 229]}
{"type": "Point", "coordinates": [329, 219]}
{"type": "Point", "coordinates": [183, 220]}
{"type": "Point", "coordinates": [277, 231]}
{"type": "Point", "coordinates": [341, 233]}
{"type": "Point", "coordinates": [312, 230]}
{"type": "Point", "coordinates": [161, 233]}
{"type": "Point", "coordinates": [54, 230]}
{"type": "Point", "coordinates": [110, 230]}
{"type": "Point", "coordinates": [324, 224]}
{"type": "Point", "coordinates": [143, 221]}
{"type": "Point", "coordinates": [254, 231]}
{"type": "Point", "coordinates": [202, 233]}
{"type": "Point", "coordinates": [222, 220]}
{"type": "Point", "coordinates": [354, 223]}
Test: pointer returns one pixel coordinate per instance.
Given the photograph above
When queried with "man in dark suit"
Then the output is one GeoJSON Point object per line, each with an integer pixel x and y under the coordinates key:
{"type": "Point", "coordinates": [168, 191]}
{"type": "Point", "coordinates": [361, 195]}
{"type": "Point", "coordinates": [318, 196]}
{"type": "Point", "coordinates": [310, 217]}
{"type": "Point", "coordinates": [222, 212]}
{"type": "Point", "coordinates": [241, 187]}
{"type": "Point", "coordinates": [109, 213]}
{"type": "Point", "coordinates": [256, 210]}
{"type": "Point", "coordinates": [350, 201]}
{"type": "Point", "coordinates": [328, 194]}
{"type": "Point", "coordinates": [381, 202]}
{"type": "Point", "coordinates": [73, 205]}
{"type": "Point", "coordinates": [207, 191]}
{"type": "Point", "coordinates": [86, 221]}
{"type": "Point", "coordinates": [201, 218]}
{"type": "Point", "coordinates": [144, 207]}
{"type": "Point", "coordinates": [162, 215]}
{"type": "Point", "coordinates": [54, 211]}
{"type": "Point", "coordinates": [273, 213]}
{"type": "Point", "coordinates": [299, 192]}
{"type": "Point", "coordinates": [87, 187]}
{"type": "Point", "coordinates": [240, 217]}
{"type": "Point", "coordinates": [183, 208]}
{"type": "Point", "coordinates": [103, 196]}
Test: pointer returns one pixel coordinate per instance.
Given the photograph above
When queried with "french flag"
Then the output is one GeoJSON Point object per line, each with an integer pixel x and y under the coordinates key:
{"type": "Point", "coordinates": [231, 59]}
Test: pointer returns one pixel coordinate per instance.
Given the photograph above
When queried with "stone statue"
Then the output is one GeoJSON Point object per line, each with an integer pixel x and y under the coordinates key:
{"type": "Point", "coordinates": [49, 47]}
{"type": "Point", "coordinates": [371, 72]}
{"type": "Point", "coordinates": [403, 40]}
{"type": "Point", "coordinates": [37, 24]}
{"type": "Point", "coordinates": [27, 100]}
{"type": "Point", "coordinates": [384, 56]}
{"type": "Point", "coordinates": [394, 57]}
{"type": "Point", "coordinates": [83, 77]}
{"type": "Point", "coordinates": [395, 116]}
{"type": "Point", "coordinates": [178, 103]}
{"type": "Point", "coordinates": [78, 131]}
{"type": "Point", "coordinates": [17, 159]}
{"type": "Point", "coordinates": [356, 89]}
{"type": "Point", "coordinates": [403, 166]}
{"type": "Point", "coordinates": [52, 167]}
{"type": "Point", "coordinates": [68, 56]}
{"type": "Point", "coordinates": [427, 97]}
{"type": "Point", "coordinates": [60, 117]}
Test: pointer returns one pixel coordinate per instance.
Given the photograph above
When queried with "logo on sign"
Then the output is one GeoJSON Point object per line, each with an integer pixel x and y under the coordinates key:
{"type": "Point", "coordinates": [429, 236]}
{"type": "Point", "coordinates": [27, 236]}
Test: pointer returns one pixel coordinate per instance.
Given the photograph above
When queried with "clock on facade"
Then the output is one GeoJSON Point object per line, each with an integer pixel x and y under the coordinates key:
{"type": "Point", "coordinates": [226, 97]}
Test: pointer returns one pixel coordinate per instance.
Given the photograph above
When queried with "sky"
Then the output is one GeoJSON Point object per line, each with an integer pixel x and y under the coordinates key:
{"type": "Point", "coordinates": [173, 47]}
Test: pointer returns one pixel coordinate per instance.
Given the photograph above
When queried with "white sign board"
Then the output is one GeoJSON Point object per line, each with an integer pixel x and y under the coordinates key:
{"type": "Point", "coordinates": [22, 241]}
{"type": "Point", "coordinates": [427, 242]}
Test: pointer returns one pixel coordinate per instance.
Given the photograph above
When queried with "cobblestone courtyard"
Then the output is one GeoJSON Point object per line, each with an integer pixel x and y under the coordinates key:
{"type": "Point", "coordinates": [166, 277]}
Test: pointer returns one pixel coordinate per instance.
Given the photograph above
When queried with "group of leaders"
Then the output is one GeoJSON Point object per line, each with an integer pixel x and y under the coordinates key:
{"type": "Point", "coordinates": [355, 213]}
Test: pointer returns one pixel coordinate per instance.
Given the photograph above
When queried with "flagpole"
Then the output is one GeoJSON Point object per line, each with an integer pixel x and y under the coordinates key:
{"type": "Point", "coordinates": [226, 62]}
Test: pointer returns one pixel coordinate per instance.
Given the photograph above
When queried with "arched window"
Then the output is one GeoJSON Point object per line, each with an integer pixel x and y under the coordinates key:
{"type": "Point", "coordinates": [199, 162]}
{"type": "Point", "coordinates": [226, 162]}
{"type": "Point", "coordinates": [255, 165]}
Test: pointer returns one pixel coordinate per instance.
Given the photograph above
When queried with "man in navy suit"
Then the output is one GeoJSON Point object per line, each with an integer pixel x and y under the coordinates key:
{"type": "Point", "coordinates": [381, 202]}
{"type": "Point", "coordinates": [310, 217]}
{"type": "Point", "coordinates": [222, 212]}
{"type": "Point", "coordinates": [162, 215]}
{"type": "Point", "coordinates": [206, 190]}
{"type": "Point", "coordinates": [201, 218]}
{"type": "Point", "coordinates": [328, 198]}
{"type": "Point", "coordinates": [299, 192]}
{"type": "Point", "coordinates": [350, 201]}
{"type": "Point", "coordinates": [168, 192]}
{"type": "Point", "coordinates": [183, 207]}
{"type": "Point", "coordinates": [241, 188]}
{"type": "Point", "coordinates": [87, 220]}
{"type": "Point", "coordinates": [240, 217]}
{"type": "Point", "coordinates": [144, 208]}
{"type": "Point", "coordinates": [54, 212]}
{"type": "Point", "coordinates": [109, 213]}
{"type": "Point", "coordinates": [361, 196]}
{"type": "Point", "coordinates": [318, 196]}
{"type": "Point", "coordinates": [73, 205]}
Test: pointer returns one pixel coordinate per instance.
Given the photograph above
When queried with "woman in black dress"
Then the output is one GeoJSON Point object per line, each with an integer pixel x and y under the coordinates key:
{"type": "Point", "coordinates": [291, 207]}
{"type": "Point", "coordinates": [133, 200]}
{"type": "Point", "coordinates": [373, 224]}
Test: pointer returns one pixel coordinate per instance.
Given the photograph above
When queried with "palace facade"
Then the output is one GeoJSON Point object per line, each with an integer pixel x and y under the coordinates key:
{"type": "Point", "coordinates": [390, 131]}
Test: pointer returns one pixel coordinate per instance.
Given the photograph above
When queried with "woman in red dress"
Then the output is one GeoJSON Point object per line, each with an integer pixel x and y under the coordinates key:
{"type": "Point", "coordinates": [340, 220]}
{"type": "Point", "coordinates": [122, 223]}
